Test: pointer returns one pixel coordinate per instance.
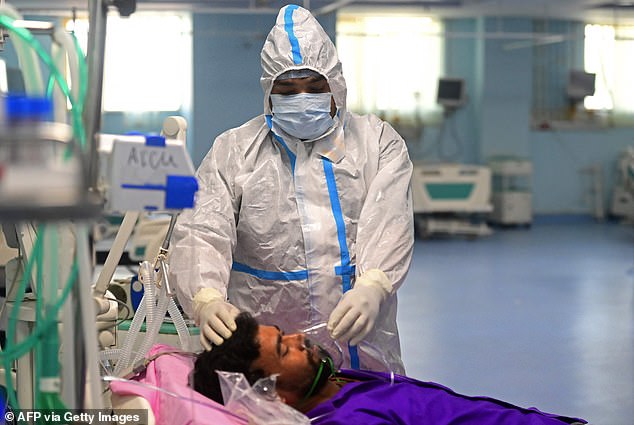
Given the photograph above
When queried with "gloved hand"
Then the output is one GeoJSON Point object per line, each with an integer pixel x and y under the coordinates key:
{"type": "Point", "coordinates": [214, 316]}
{"type": "Point", "coordinates": [355, 315]}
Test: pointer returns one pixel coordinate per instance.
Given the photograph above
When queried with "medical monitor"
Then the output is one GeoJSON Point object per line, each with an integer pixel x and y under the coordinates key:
{"type": "Point", "coordinates": [580, 84]}
{"type": "Point", "coordinates": [451, 92]}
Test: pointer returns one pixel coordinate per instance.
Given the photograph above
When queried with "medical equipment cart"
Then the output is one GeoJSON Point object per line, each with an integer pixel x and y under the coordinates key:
{"type": "Point", "coordinates": [512, 193]}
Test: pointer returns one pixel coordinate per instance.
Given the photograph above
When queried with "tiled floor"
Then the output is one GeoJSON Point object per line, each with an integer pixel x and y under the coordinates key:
{"type": "Point", "coordinates": [539, 317]}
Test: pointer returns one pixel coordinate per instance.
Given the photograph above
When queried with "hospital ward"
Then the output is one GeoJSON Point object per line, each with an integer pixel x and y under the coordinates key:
{"type": "Point", "coordinates": [328, 212]}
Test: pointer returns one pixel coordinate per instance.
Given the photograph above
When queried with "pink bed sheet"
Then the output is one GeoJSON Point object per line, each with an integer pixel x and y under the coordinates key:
{"type": "Point", "coordinates": [170, 372]}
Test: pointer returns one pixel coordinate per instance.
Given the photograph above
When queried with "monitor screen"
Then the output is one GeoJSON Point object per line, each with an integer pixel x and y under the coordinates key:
{"type": "Point", "coordinates": [580, 84]}
{"type": "Point", "coordinates": [451, 92]}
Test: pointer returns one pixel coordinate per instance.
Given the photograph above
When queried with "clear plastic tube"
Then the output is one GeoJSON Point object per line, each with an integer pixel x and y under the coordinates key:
{"type": "Point", "coordinates": [59, 99]}
{"type": "Point", "coordinates": [154, 316]}
{"type": "Point", "coordinates": [106, 357]}
{"type": "Point", "coordinates": [130, 339]}
{"type": "Point", "coordinates": [181, 327]}
{"type": "Point", "coordinates": [83, 73]}
{"type": "Point", "coordinates": [175, 314]}
{"type": "Point", "coordinates": [148, 279]}
{"type": "Point", "coordinates": [68, 45]}
{"type": "Point", "coordinates": [27, 58]}
{"type": "Point", "coordinates": [64, 47]}
{"type": "Point", "coordinates": [153, 328]}
{"type": "Point", "coordinates": [146, 276]}
{"type": "Point", "coordinates": [110, 354]}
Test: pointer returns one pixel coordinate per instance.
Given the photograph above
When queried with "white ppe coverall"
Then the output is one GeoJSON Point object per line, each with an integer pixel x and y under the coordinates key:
{"type": "Point", "coordinates": [281, 227]}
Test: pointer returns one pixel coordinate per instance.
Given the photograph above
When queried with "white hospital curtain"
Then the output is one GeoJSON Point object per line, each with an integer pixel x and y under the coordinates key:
{"type": "Point", "coordinates": [391, 63]}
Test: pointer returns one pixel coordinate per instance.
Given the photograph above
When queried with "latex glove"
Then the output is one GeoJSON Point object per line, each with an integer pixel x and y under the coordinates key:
{"type": "Point", "coordinates": [355, 315]}
{"type": "Point", "coordinates": [214, 316]}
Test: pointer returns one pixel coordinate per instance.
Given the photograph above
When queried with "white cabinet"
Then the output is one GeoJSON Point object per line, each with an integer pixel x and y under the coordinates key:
{"type": "Point", "coordinates": [511, 190]}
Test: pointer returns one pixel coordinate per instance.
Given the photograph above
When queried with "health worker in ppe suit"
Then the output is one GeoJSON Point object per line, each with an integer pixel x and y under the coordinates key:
{"type": "Point", "coordinates": [304, 213]}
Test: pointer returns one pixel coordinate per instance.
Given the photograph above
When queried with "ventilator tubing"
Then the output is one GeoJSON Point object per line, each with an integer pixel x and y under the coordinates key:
{"type": "Point", "coordinates": [154, 325]}
{"type": "Point", "coordinates": [179, 323]}
{"type": "Point", "coordinates": [174, 312]}
{"type": "Point", "coordinates": [133, 331]}
{"type": "Point", "coordinates": [153, 316]}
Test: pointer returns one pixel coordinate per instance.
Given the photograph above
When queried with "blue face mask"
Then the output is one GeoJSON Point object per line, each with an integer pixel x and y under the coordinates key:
{"type": "Point", "coordinates": [304, 115]}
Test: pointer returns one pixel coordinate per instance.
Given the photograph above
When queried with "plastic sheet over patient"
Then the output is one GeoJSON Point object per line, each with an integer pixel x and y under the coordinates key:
{"type": "Point", "coordinates": [260, 403]}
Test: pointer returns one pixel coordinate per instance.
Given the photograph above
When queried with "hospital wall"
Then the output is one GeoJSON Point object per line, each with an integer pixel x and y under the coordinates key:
{"type": "Point", "coordinates": [495, 121]}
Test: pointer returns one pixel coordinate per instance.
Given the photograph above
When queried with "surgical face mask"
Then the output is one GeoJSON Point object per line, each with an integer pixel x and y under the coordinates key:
{"type": "Point", "coordinates": [304, 115]}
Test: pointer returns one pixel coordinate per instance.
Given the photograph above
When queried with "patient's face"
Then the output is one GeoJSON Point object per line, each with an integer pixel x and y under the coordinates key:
{"type": "Point", "coordinates": [295, 358]}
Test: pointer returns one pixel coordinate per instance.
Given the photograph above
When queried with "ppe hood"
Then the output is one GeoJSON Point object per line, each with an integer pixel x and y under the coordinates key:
{"type": "Point", "coordinates": [298, 41]}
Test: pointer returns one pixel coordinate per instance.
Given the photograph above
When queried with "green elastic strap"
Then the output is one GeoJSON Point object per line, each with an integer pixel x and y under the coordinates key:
{"type": "Point", "coordinates": [317, 378]}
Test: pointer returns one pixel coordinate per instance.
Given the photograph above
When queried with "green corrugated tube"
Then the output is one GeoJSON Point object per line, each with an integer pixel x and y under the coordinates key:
{"type": "Point", "coordinates": [41, 328]}
{"type": "Point", "coordinates": [6, 357]}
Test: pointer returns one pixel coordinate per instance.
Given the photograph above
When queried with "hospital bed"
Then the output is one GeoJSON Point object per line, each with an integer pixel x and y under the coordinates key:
{"type": "Point", "coordinates": [162, 387]}
{"type": "Point", "coordinates": [451, 198]}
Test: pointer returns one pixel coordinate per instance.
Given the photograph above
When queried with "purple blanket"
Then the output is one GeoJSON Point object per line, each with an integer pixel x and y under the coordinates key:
{"type": "Point", "coordinates": [374, 401]}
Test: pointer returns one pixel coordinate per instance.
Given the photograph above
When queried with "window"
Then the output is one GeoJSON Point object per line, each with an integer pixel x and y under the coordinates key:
{"type": "Point", "coordinates": [609, 53]}
{"type": "Point", "coordinates": [147, 63]}
{"type": "Point", "coordinates": [391, 63]}
{"type": "Point", "coordinates": [552, 64]}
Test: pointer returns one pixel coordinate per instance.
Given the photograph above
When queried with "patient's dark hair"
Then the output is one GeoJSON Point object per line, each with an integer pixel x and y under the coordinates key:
{"type": "Point", "coordinates": [235, 354]}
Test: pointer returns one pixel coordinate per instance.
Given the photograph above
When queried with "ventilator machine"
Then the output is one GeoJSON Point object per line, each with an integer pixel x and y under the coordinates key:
{"type": "Point", "coordinates": [58, 175]}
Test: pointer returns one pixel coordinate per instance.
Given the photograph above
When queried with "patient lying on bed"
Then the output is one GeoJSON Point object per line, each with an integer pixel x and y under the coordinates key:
{"type": "Point", "coordinates": [306, 381]}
